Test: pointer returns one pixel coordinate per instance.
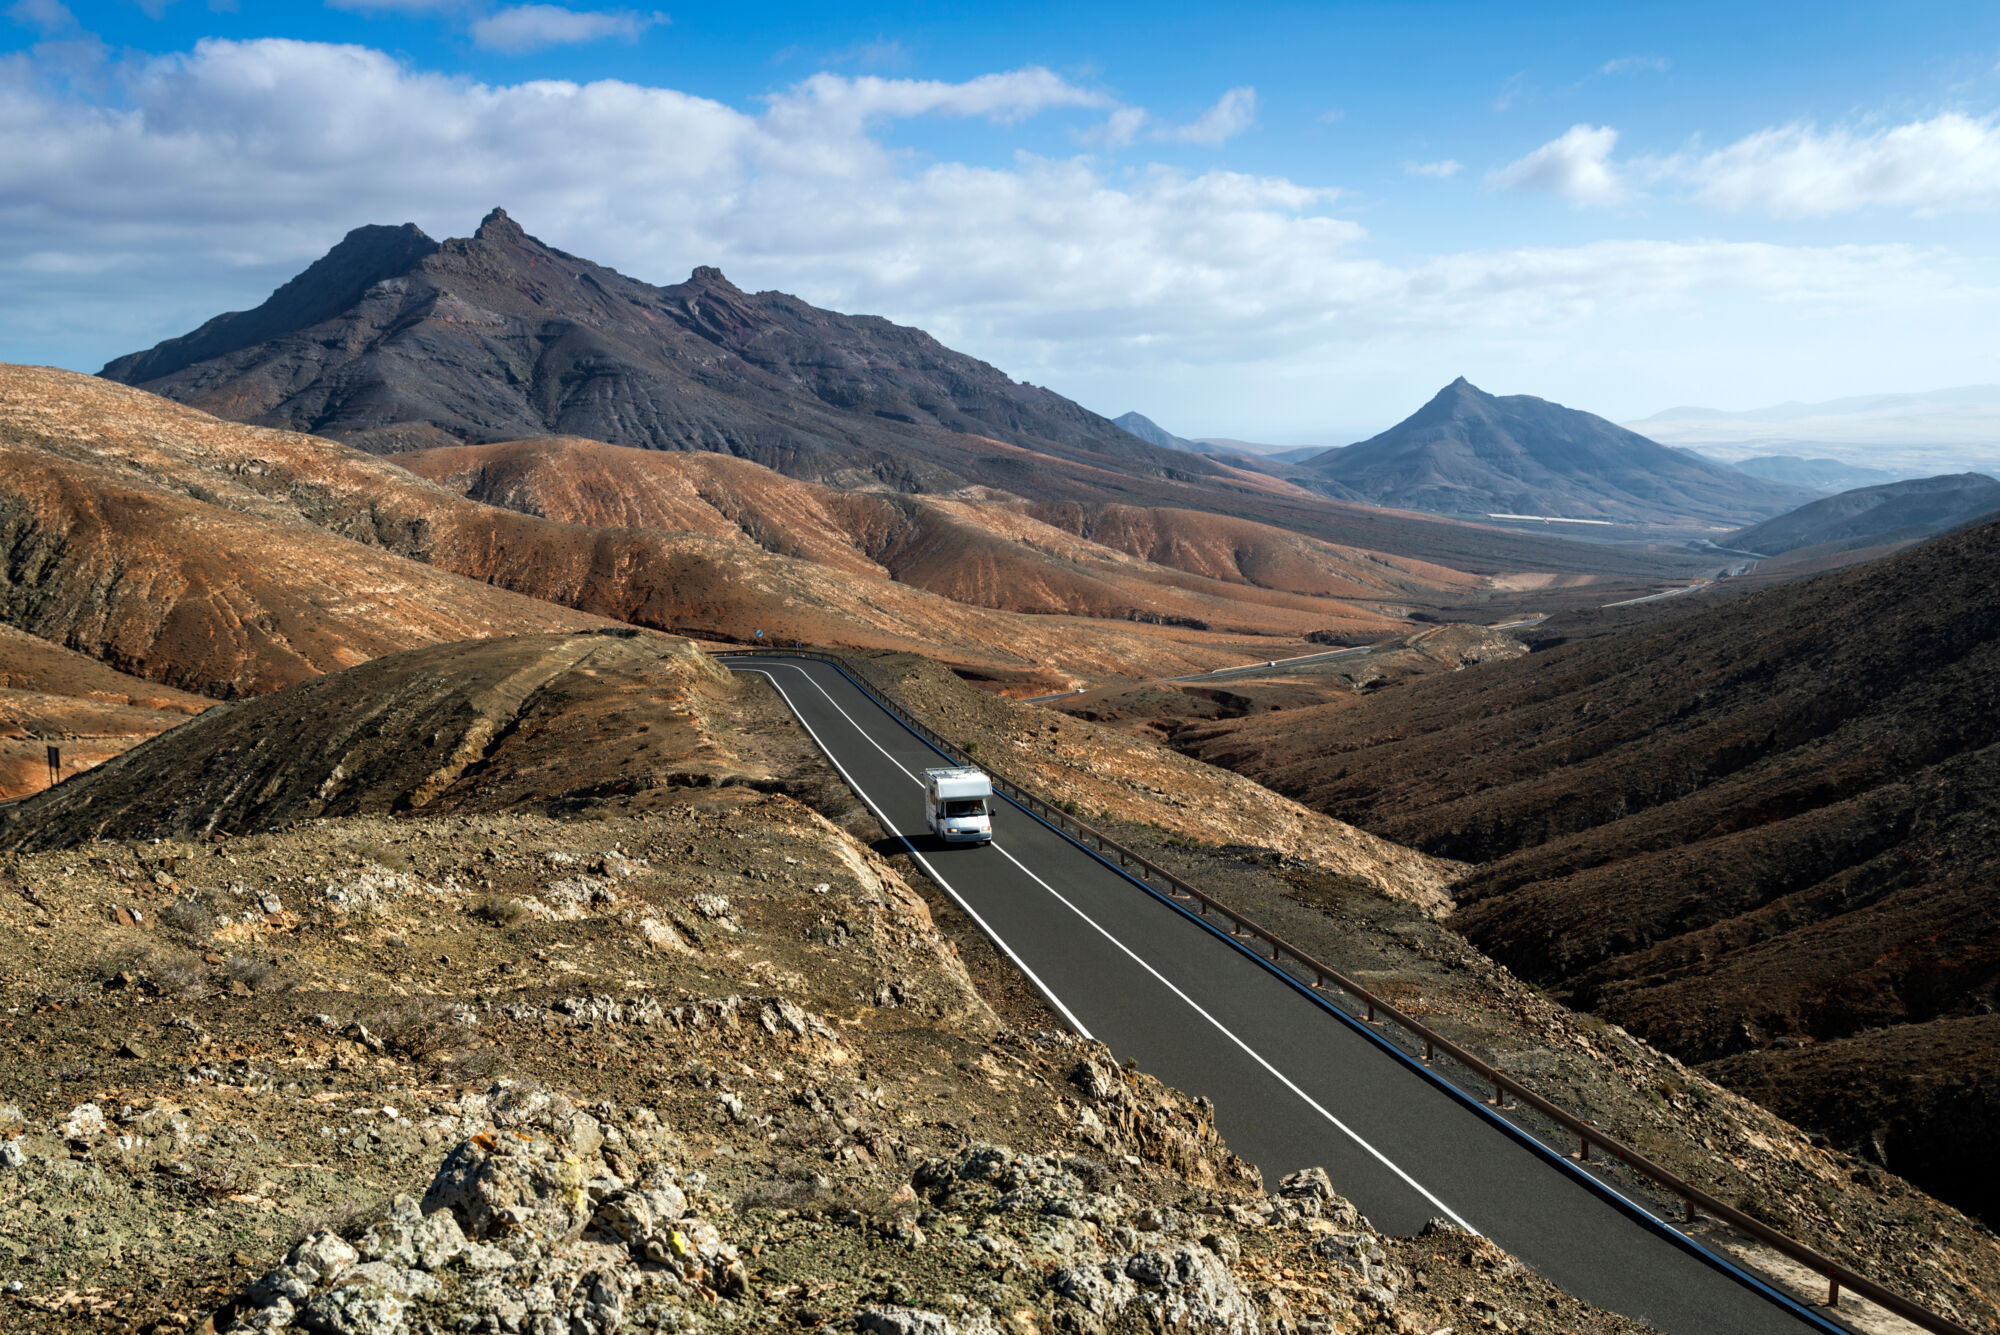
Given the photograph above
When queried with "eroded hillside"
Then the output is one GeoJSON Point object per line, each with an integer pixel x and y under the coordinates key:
{"type": "Point", "coordinates": [268, 556]}
{"type": "Point", "coordinates": [50, 696]}
{"type": "Point", "coordinates": [1767, 824]}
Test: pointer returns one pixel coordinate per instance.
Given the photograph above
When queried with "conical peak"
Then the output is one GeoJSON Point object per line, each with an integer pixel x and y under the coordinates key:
{"type": "Point", "coordinates": [1458, 394]}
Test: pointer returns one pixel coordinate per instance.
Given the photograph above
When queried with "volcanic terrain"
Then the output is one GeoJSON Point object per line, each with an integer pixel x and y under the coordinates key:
{"type": "Point", "coordinates": [780, 1065]}
{"type": "Point", "coordinates": [1762, 834]}
{"type": "Point", "coordinates": [280, 555]}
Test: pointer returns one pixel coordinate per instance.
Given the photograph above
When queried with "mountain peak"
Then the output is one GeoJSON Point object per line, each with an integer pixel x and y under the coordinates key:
{"type": "Point", "coordinates": [497, 226]}
{"type": "Point", "coordinates": [325, 288]}
{"type": "Point", "coordinates": [710, 276]}
{"type": "Point", "coordinates": [1470, 453]}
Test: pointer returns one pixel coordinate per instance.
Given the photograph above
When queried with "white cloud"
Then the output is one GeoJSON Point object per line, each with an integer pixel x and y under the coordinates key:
{"type": "Point", "coordinates": [1233, 113]}
{"type": "Point", "coordinates": [1800, 171]}
{"type": "Point", "coordinates": [521, 28]}
{"type": "Point", "coordinates": [215, 174]}
{"type": "Point", "coordinates": [1441, 170]}
{"type": "Point", "coordinates": [1576, 166]}
{"type": "Point", "coordinates": [1117, 130]}
{"type": "Point", "coordinates": [833, 100]}
{"type": "Point", "coordinates": [1635, 65]}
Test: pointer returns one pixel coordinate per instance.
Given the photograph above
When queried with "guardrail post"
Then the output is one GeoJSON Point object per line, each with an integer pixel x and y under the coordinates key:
{"type": "Point", "coordinates": [1692, 1214]}
{"type": "Point", "coordinates": [1371, 1020]}
{"type": "Point", "coordinates": [1833, 1290]}
{"type": "Point", "coordinates": [1583, 1148]}
{"type": "Point", "coordinates": [1499, 1093]}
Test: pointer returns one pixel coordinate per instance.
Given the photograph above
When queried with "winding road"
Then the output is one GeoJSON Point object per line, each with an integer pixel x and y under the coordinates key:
{"type": "Point", "coordinates": [1295, 1082]}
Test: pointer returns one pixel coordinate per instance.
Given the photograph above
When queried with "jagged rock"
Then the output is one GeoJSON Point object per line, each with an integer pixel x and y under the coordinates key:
{"type": "Point", "coordinates": [354, 1311]}
{"type": "Point", "coordinates": [499, 1186]}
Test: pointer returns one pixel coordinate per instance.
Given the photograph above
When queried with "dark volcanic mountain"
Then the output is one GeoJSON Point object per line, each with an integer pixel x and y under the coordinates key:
{"type": "Point", "coordinates": [1472, 453]}
{"type": "Point", "coordinates": [393, 341]}
{"type": "Point", "coordinates": [1898, 512]}
{"type": "Point", "coordinates": [1764, 835]}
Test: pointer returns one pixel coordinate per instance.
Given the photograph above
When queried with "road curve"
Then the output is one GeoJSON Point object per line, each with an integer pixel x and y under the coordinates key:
{"type": "Point", "coordinates": [1295, 1084]}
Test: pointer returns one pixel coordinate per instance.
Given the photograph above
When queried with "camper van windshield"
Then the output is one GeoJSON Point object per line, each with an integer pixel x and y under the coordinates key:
{"type": "Point", "coordinates": [965, 806]}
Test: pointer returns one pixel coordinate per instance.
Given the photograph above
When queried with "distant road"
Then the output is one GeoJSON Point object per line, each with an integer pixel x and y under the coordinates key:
{"type": "Point", "coordinates": [1670, 593]}
{"type": "Point", "coordinates": [1295, 1083]}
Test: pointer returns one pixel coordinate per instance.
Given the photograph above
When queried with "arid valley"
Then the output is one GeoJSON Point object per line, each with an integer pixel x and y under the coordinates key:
{"type": "Point", "coordinates": [539, 800]}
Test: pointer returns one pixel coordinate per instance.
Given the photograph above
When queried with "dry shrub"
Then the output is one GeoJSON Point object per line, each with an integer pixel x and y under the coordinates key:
{"type": "Point", "coordinates": [258, 975]}
{"type": "Point", "coordinates": [213, 1177]}
{"type": "Point", "coordinates": [171, 970]}
{"type": "Point", "coordinates": [419, 1030]}
{"type": "Point", "coordinates": [479, 1064]}
{"type": "Point", "coordinates": [500, 910]}
{"type": "Point", "coordinates": [190, 920]}
{"type": "Point", "coordinates": [337, 1217]}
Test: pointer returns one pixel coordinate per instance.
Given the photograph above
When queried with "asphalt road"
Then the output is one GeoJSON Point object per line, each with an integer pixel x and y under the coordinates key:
{"type": "Point", "coordinates": [1294, 1086]}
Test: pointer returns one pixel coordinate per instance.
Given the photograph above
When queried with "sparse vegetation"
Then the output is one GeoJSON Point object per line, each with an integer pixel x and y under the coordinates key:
{"type": "Point", "coordinates": [258, 975]}
{"type": "Point", "coordinates": [168, 969]}
{"type": "Point", "coordinates": [500, 910]}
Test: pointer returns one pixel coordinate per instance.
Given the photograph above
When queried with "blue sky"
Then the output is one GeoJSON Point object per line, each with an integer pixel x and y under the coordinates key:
{"type": "Point", "coordinates": [1280, 223]}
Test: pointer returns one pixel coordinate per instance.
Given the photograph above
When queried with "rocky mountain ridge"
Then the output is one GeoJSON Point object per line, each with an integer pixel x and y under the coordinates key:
{"type": "Point", "coordinates": [393, 341]}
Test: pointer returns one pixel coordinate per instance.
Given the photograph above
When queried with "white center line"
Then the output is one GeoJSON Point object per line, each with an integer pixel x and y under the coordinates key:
{"type": "Point", "coordinates": [1224, 1030]}
{"type": "Point", "coordinates": [889, 825]}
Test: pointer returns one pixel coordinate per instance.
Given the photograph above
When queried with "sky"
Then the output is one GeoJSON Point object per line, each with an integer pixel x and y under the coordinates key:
{"type": "Point", "coordinates": [1287, 224]}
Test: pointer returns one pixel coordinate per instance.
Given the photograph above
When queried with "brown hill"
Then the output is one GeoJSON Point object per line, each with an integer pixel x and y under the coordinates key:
{"type": "Point", "coordinates": [271, 556]}
{"type": "Point", "coordinates": [1099, 561]}
{"type": "Point", "coordinates": [55, 696]}
{"type": "Point", "coordinates": [135, 531]}
{"type": "Point", "coordinates": [1770, 823]}
{"type": "Point", "coordinates": [519, 722]}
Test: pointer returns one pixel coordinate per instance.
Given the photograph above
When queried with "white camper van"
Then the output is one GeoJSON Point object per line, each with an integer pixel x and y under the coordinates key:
{"type": "Point", "coordinates": [955, 805]}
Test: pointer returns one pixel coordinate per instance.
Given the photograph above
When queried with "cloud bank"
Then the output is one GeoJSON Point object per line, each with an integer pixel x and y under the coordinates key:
{"type": "Point", "coordinates": [211, 175]}
{"type": "Point", "coordinates": [1949, 161]}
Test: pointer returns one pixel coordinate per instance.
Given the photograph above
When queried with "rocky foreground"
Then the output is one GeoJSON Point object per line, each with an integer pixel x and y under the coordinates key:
{"type": "Point", "coordinates": [709, 1067]}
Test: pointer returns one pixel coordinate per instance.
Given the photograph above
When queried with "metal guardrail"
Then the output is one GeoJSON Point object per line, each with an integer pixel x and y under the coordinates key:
{"type": "Point", "coordinates": [1696, 1201]}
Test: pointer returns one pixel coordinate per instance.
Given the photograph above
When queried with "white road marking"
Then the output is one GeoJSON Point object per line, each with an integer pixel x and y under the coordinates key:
{"type": "Point", "coordinates": [888, 825]}
{"type": "Point", "coordinates": [1224, 1030]}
